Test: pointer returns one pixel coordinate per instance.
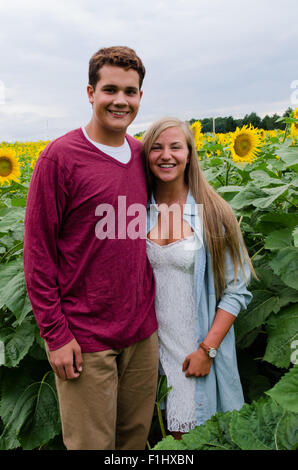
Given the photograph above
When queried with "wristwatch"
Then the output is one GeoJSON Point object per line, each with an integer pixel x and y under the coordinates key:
{"type": "Point", "coordinates": [212, 352]}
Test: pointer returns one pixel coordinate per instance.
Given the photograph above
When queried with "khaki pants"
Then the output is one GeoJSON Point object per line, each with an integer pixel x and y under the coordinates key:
{"type": "Point", "coordinates": [110, 406]}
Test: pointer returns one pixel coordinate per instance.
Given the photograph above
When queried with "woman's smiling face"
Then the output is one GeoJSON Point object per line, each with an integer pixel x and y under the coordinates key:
{"type": "Point", "coordinates": [168, 156]}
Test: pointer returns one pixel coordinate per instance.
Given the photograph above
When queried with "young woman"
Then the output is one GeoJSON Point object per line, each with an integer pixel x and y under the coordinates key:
{"type": "Point", "coordinates": [202, 269]}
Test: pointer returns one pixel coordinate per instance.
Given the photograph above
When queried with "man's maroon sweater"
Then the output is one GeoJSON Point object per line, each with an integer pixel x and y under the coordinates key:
{"type": "Point", "coordinates": [80, 284]}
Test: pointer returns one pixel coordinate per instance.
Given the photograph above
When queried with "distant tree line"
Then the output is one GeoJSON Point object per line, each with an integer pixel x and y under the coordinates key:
{"type": "Point", "coordinates": [229, 124]}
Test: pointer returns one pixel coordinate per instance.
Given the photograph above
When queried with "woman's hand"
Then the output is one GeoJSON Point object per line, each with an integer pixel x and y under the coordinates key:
{"type": "Point", "coordinates": [197, 364]}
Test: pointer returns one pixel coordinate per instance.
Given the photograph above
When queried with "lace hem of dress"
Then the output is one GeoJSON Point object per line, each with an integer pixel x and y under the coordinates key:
{"type": "Point", "coordinates": [175, 425]}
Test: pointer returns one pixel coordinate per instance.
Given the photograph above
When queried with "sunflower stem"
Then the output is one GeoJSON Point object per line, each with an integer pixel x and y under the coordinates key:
{"type": "Point", "coordinates": [159, 414]}
{"type": "Point", "coordinates": [258, 243]}
{"type": "Point", "coordinates": [286, 132]}
{"type": "Point", "coordinates": [220, 180]}
{"type": "Point", "coordinates": [290, 202]}
{"type": "Point", "coordinates": [11, 249]}
{"type": "Point", "coordinates": [257, 253]}
{"type": "Point", "coordinates": [227, 173]}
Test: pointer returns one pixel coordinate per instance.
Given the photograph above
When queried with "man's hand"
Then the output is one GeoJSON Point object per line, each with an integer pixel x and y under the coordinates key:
{"type": "Point", "coordinates": [67, 361]}
{"type": "Point", "coordinates": [197, 364]}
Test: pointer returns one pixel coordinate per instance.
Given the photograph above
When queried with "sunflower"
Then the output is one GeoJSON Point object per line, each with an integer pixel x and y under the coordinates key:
{"type": "Point", "coordinates": [244, 144]}
{"type": "Point", "coordinates": [262, 134]}
{"type": "Point", "coordinates": [196, 128]}
{"type": "Point", "coordinates": [9, 166]}
{"type": "Point", "coordinates": [294, 125]}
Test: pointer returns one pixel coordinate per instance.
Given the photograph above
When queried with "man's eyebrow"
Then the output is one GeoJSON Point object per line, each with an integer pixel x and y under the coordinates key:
{"type": "Point", "coordinates": [112, 85]}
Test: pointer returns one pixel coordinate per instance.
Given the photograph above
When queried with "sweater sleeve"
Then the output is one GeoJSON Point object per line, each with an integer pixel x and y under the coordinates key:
{"type": "Point", "coordinates": [46, 201]}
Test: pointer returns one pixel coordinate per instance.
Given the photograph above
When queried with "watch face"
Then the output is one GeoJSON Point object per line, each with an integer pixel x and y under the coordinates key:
{"type": "Point", "coordinates": [212, 353]}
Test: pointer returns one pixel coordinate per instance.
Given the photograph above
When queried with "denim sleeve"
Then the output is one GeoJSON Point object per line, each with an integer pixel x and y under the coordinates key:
{"type": "Point", "coordinates": [236, 296]}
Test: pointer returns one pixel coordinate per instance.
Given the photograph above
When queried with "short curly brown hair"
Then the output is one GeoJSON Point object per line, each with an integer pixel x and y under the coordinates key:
{"type": "Point", "coordinates": [120, 56]}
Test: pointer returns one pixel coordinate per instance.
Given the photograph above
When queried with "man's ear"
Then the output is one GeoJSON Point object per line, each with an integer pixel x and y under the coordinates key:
{"type": "Point", "coordinates": [141, 94]}
{"type": "Point", "coordinates": [90, 93]}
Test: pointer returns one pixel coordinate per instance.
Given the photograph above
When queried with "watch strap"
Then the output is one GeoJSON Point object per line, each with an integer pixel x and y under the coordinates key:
{"type": "Point", "coordinates": [206, 348]}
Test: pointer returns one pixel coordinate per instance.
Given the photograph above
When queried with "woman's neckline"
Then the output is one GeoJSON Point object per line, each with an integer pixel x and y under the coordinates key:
{"type": "Point", "coordinates": [172, 243]}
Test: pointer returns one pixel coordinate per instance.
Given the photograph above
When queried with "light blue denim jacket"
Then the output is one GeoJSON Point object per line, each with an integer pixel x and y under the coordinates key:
{"type": "Point", "coordinates": [221, 389]}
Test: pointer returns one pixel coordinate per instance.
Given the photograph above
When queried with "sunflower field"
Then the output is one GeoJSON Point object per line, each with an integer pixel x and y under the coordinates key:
{"type": "Point", "coordinates": [256, 171]}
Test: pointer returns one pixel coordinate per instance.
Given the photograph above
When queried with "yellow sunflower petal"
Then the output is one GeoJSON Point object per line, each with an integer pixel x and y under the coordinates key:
{"type": "Point", "coordinates": [9, 166]}
{"type": "Point", "coordinates": [196, 128]}
{"type": "Point", "coordinates": [245, 143]}
{"type": "Point", "coordinates": [294, 125]}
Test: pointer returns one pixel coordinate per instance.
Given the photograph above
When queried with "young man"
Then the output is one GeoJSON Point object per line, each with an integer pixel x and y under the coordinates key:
{"type": "Point", "coordinates": [93, 296]}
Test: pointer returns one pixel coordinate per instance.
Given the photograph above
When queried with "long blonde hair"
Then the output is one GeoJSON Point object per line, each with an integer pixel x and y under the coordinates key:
{"type": "Point", "coordinates": [217, 212]}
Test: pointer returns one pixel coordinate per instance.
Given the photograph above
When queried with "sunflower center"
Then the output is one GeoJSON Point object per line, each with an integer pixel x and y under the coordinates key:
{"type": "Point", "coordinates": [242, 145]}
{"type": "Point", "coordinates": [5, 166]}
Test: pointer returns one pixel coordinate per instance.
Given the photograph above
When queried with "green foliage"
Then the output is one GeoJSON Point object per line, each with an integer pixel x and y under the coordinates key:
{"type": "Point", "coordinates": [262, 425]}
{"type": "Point", "coordinates": [264, 197]}
{"type": "Point", "coordinates": [28, 400]}
{"type": "Point", "coordinates": [229, 124]}
{"type": "Point", "coordinates": [161, 394]}
{"type": "Point", "coordinates": [29, 411]}
{"type": "Point", "coordinates": [285, 392]}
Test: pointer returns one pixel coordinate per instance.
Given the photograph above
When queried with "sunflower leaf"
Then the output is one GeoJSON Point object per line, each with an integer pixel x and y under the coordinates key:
{"type": "Point", "coordinates": [285, 265]}
{"type": "Point", "coordinates": [288, 154]}
{"type": "Point", "coordinates": [17, 342]}
{"type": "Point", "coordinates": [282, 331]}
{"type": "Point", "coordinates": [247, 196]}
{"type": "Point", "coordinates": [13, 291]}
{"type": "Point", "coordinates": [285, 392]}
{"type": "Point", "coordinates": [35, 417]}
{"type": "Point", "coordinates": [295, 236]}
{"type": "Point", "coordinates": [262, 426]}
{"type": "Point", "coordinates": [279, 239]}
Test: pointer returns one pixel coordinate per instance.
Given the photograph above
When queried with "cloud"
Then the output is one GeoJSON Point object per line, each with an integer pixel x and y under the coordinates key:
{"type": "Point", "coordinates": [201, 58]}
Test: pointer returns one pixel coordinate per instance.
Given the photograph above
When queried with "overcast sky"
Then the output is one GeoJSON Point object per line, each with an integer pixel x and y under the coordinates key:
{"type": "Point", "coordinates": [203, 58]}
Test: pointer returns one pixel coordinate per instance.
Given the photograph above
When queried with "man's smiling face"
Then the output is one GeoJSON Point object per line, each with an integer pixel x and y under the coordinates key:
{"type": "Point", "coordinates": [116, 99]}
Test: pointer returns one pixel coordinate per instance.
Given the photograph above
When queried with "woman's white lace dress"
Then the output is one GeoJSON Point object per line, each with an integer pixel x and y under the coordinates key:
{"type": "Point", "coordinates": [173, 267]}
